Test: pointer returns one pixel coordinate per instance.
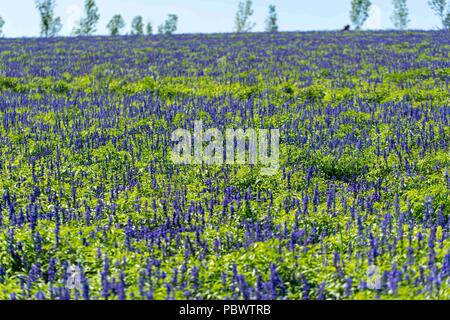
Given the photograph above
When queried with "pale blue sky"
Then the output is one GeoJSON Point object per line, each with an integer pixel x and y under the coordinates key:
{"type": "Point", "coordinates": [22, 18]}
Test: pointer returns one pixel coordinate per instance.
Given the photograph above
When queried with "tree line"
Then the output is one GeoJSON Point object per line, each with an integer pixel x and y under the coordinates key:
{"type": "Point", "coordinates": [50, 25]}
{"type": "Point", "coordinates": [400, 17]}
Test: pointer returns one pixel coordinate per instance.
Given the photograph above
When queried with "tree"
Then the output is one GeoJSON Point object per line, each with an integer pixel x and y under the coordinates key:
{"type": "Point", "coordinates": [442, 10]}
{"type": "Point", "coordinates": [400, 15]}
{"type": "Point", "coordinates": [272, 19]}
{"type": "Point", "coordinates": [245, 11]}
{"type": "Point", "coordinates": [169, 26]}
{"type": "Point", "coordinates": [137, 26]}
{"type": "Point", "coordinates": [115, 24]}
{"type": "Point", "coordinates": [2, 23]}
{"type": "Point", "coordinates": [447, 21]}
{"type": "Point", "coordinates": [359, 12]}
{"type": "Point", "coordinates": [89, 22]}
{"type": "Point", "coordinates": [149, 28]}
{"type": "Point", "coordinates": [50, 26]}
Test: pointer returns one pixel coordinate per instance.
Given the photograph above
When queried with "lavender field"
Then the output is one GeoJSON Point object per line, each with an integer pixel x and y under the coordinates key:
{"type": "Point", "coordinates": [92, 207]}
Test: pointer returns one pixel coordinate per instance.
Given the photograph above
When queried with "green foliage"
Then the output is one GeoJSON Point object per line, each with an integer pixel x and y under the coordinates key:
{"type": "Point", "coordinates": [2, 23]}
{"type": "Point", "coordinates": [347, 167]}
{"type": "Point", "coordinates": [149, 28]}
{"type": "Point", "coordinates": [50, 25]}
{"type": "Point", "coordinates": [400, 15]}
{"type": "Point", "coordinates": [362, 156]}
{"type": "Point", "coordinates": [272, 20]}
{"type": "Point", "coordinates": [242, 21]}
{"type": "Point", "coordinates": [137, 26]}
{"type": "Point", "coordinates": [88, 24]}
{"type": "Point", "coordinates": [442, 9]}
{"type": "Point", "coordinates": [8, 83]}
{"type": "Point", "coordinates": [313, 93]}
{"type": "Point", "coordinates": [115, 24]}
{"type": "Point", "coordinates": [359, 12]}
{"type": "Point", "coordinates": [169, 26]}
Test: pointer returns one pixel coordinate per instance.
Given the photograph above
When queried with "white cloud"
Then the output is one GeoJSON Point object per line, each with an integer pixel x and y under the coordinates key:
{"type": "Point", "coordinates": [74, 13]}
{"type": "Point", "coordinates": [374, 19]}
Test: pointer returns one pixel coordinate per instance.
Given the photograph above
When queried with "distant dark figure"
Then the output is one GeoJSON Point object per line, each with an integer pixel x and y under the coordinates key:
{"type": "Point", "coordinates": [346, 28]}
